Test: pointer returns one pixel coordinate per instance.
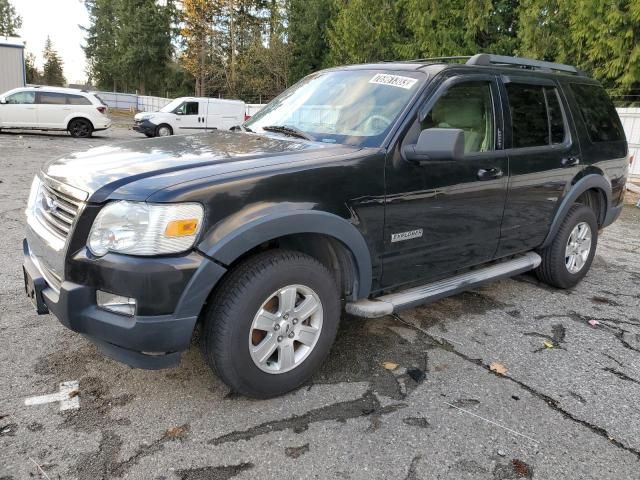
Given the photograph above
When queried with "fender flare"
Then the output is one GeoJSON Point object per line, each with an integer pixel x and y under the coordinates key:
{"type": "Point", "coordinates": [224, 245]}
{"type": "Point", "coordinates": [587, 182]}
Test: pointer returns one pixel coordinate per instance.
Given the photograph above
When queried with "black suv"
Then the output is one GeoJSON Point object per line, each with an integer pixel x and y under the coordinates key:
{"type": "Point", "coordinates": [374, 187]}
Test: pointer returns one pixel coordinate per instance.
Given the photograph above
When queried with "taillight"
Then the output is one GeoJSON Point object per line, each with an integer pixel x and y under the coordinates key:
{"type": "Point", "coordinates": [102, 109]}
{"type": "Point", "coordinates": [246, 117]}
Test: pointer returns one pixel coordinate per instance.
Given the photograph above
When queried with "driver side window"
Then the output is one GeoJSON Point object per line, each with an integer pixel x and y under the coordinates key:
{"type": "Point", "coordinates": [22, 98]}
{"type": "Point", "coordinates": [187, 108]}
{"type": "Point", "coordinates": [469, 107]}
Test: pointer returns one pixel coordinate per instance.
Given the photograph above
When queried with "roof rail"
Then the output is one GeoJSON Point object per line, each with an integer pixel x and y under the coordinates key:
{"type": "Point", "coordinates": [436, 59]}
{"type": "Point", "coordinates": [485, 59]}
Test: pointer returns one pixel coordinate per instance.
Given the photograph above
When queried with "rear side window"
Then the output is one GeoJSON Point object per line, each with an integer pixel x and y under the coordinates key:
{"type": "Point", "coordinates": [599, 114]}
{"type": "Point", "coordinates": [536, 115]}
{"type": "Point", "coordinates": [52, 98]}
{"type": "Point", "coordinates": [78, 100]}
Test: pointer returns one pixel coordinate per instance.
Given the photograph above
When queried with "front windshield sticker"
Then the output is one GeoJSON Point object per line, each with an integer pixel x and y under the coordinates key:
{"type": "Point", "coordinates": [394, 80]}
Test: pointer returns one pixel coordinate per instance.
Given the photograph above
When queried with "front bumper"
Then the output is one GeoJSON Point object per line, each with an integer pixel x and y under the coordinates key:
{"type": "Point", "coordinates": [145, 126]}
{"type": "Point", "coordinates": [141, 341]}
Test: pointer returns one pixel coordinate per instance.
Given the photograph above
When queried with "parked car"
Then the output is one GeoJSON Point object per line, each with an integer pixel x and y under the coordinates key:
{"type": "Point", "coordinates": [51, 108]}
{"type": "Point", "coordinates": [374, 187]}
{"type": "Point", "coordinates": [190, 115]}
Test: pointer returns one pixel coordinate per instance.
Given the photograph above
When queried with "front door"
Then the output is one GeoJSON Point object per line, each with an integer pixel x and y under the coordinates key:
{"type": "Point", "coordinates": [19, 111]}
{"type": "Point", "coordinates": [442, 216]}
{"type": "Point", "coordinates": [190, 117]}
{"type": "Point", "coordinates": [544, 158]}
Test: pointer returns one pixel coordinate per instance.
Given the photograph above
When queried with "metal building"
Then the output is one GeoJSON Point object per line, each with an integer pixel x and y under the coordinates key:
{"type": "Point", "coordinates": [12, 68]}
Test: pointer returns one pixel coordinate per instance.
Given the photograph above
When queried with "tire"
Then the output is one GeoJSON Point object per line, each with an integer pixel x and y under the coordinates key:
{"type": "Point", "coordinates": [80, 128]}
{"type": "Point", "coordinates": [556, 268]}
{"type": "Point", "coordinates": [163, 130]}
{"type": "Point", "coordinates": [263, 283]}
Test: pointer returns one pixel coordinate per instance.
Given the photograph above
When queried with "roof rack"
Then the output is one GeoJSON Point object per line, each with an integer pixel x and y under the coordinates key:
{"type": "Point", "coordinates": [485, 59]}
{"type": "Point", "coordinates": [436, 59]}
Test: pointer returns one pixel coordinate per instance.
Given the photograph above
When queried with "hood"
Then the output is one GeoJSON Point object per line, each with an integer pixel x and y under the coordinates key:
{"type": "Point", "coordinates": [102, 170]}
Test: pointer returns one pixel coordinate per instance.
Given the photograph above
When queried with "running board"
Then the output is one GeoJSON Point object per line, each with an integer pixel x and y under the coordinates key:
{"type": "Point", "coordinates": [388, 304]}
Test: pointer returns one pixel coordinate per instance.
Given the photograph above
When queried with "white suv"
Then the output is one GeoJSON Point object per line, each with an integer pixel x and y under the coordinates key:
{"type": "Point", "coordinates": [49, 108]}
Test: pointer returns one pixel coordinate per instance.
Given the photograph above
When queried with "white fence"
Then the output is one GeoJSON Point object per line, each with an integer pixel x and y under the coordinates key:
{"type": "Point", "coordinates": [631, 122]}
{"type": "Point", "coordinates": [131, 101]}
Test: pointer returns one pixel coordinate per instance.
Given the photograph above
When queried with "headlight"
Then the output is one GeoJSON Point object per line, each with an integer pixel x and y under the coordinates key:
{"type": "Point", "coordinates": [145, 117]}
{"type": "Point", "coordinates": [137, 228]}
{"type": "Point", "coordinates": [33, 194]}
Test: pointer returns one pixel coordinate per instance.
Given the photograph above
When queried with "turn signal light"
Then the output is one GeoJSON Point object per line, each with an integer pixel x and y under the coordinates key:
{"type": "Point", "coordinates": [181, 228]}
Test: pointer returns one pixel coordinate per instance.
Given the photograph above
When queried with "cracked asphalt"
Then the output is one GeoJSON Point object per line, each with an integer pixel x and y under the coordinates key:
{"type": "Point", "coordinates": [567, 412]}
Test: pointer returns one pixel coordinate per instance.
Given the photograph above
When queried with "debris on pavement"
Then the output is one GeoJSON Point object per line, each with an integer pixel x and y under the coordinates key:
{"type": "Point", "coordinates": [177, 433]}
{"type": "Point", "coordinates": [295, 452]}
{"type": "Point", "coordinates": [548, 344]}
{"type": "Point", "coordinates": [416, 374]}
{"type": "Point", "coordinates": [594, 323]}
{"type": "Point", "coordinates": [390, 365]}
{"type": "Point", "coordinates": [498, 368]}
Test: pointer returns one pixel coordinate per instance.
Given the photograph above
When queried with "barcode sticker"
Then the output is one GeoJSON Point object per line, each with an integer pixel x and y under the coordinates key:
{"type": "Point", "coordinates": [393, 80]}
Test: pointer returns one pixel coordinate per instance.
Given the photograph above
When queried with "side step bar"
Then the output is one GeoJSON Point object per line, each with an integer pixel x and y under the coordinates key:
{"type": "Point", "coordinates": [388, 304]}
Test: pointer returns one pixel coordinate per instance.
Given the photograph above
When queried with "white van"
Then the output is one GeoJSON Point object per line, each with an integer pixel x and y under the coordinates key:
{"type": "Point", "coordinates": [189, 115]}
{"type": "Point", "coordinates": [52, 108]}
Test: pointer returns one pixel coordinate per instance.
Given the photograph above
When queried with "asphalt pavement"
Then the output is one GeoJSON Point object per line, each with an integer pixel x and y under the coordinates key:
{"type": "Point", "coordinates": [511, 380]}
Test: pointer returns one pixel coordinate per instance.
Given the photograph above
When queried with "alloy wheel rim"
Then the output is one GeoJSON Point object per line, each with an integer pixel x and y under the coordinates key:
{"type": "Point", "coordinates": [578, 247]}
{"type": "Point", "coordinates": [80, 129]}
{"type": "Point", "coordinates": [286, 329]}
{"type": "Point", "coordinates": [163, 132]}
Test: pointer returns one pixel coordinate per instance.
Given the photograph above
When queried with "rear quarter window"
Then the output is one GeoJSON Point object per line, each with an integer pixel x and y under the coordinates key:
{"type": "Point", "coordinates": [598, 113]}
{"type": "Point", "coordinates": [78, 100]}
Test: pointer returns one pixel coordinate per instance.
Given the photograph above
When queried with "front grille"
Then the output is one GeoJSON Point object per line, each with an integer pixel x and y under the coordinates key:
{"type": "Point", "coordinates": [57, 210]}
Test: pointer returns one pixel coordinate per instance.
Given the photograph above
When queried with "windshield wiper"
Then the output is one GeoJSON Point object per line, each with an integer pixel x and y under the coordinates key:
{"type": "Point", "coordinates": [287, 130]}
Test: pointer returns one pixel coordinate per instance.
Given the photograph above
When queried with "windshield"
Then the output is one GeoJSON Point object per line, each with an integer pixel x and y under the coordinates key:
{"type": "Point", "coordinates": [169, 107]}
{"type": "Point", "coordinates": [355, 107]}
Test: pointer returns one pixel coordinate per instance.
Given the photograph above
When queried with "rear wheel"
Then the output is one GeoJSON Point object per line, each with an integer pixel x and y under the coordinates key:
{"type": "Point", "coordinates": [80, 128]}
{"type": "Point", "coordinates": [568, 259]}
{"type": "Point", "coordinates": [272, 323]}
{"type": "Point", "coordinates": [163, 130]}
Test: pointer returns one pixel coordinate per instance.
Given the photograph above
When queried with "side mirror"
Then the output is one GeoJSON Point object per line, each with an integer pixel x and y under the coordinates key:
{"type": "Point", "coordinates": [436, 144]}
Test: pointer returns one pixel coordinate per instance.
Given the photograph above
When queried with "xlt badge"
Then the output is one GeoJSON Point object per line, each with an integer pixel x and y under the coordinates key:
{"type": "Point", "coordinates": [399, 237]}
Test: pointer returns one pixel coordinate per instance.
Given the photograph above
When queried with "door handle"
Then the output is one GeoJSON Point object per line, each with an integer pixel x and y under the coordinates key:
{"type": "Point", "coordinates": [490, 173]}
{"type": "Point", "coordinates": [570, 161]}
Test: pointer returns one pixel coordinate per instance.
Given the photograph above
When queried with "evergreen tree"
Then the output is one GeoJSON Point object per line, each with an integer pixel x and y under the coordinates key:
{"type": "Point", "coordinates": [363, 31]}
{"type": "Point", "coordinates": [10, 21]}
{"type": "Point", "coordinates": [32, 73]}
{"type": "Point", "coordinates": [308, 21]}
{"type": "Point", "coordinates": [143, 42]}
{"type": "Point", "coordinates": [100, 49]}
{"type": "Point", "coordinates": [52, 72]}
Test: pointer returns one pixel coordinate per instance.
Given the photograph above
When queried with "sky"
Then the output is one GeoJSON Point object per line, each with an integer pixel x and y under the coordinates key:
{"type": "Point", "coordinates": [60, 19]}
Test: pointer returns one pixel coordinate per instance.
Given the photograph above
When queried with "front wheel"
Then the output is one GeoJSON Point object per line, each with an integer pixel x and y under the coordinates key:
{"type": "Point", "coordinates": [80, 128]}
{"type": "Point", "coordinates": [568, 259]}
{"type": "Point", "coordinates": [163, 130]}
{"type": "Point", "coordinates": [272, 322]}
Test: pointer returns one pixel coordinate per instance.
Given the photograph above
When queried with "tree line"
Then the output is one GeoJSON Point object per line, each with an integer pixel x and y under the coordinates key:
{"type": "Point", "coordinates": [254, 49]}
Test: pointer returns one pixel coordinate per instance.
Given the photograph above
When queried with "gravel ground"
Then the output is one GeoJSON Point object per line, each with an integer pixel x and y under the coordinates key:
{"type": "Point", "coordinates": [567, 412]}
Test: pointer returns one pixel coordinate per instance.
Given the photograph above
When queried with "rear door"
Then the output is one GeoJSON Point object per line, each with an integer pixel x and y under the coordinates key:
{"type": "Point", "coordinates": [544, 157]}
{"type": "Point", "coordinates": [52, 109]}
{"type": "Point", "coordinates": [19, 111]}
